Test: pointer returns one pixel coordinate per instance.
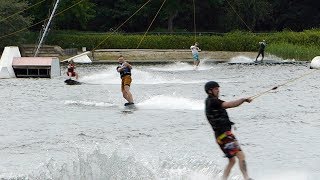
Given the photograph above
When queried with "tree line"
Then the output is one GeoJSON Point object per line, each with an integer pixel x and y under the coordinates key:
{"type": "Point", "coordinates": [174, 16]}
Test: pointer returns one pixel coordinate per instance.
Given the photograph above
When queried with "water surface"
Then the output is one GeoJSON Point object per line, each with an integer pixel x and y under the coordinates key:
{"type": "Point", "coordinates": [53, 131]}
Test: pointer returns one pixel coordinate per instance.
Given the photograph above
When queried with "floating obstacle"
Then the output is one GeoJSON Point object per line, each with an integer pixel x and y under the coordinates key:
{"type": "Point", "coordinates": [36, 67]}
{"type": "Point", "coordinates": [12, 65]}
{"type": "Point", "coordinates": [6, 70]}
{"type": "Point", "coordinates": [267, 62]}
{"type": "Point", "coordinates": [315, 63]}
{"type": "Point", "coordinates": [80, 58]}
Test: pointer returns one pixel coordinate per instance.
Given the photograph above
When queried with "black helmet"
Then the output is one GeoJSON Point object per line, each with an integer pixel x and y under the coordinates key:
{"type": "Point", "coordinates": [209, 85]}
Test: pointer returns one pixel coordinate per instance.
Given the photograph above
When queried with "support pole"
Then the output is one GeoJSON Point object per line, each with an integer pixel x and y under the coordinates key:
{"type": "Point", "coordinates": [46, 28]}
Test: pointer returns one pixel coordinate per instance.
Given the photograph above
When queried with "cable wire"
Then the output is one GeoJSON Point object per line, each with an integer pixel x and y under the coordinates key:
{"type": "Point", "coordinates": [144, 35]}
{"type": "Point", "coordinates": [21, 11]}
{"type": "Point", "coordinates": [276, 87]}
{"type": "Point", "coordinates": [23, 29]}
{"type": "Point", "coordinates": [239, 16]}
{"type": "Point", "coordinates": [120, 26]}
{"type": "Point", "coordinates": [194, 21]}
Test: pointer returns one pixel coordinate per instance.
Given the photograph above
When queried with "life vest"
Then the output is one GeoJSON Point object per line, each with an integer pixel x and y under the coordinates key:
{"type": "Point", "coordinates": [125, 71]}
{"type": "Point", "coordinates": [71, 68]}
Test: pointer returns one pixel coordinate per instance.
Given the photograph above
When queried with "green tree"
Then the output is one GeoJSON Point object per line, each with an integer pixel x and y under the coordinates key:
{"type": "Point", "coordinates": [175, 9]}
{"type": "Point", "coordinates": [103, 20]}
{"type": "Point", "coordinates": [177, 15]}
{"type": "Point", "coordinates": [70, 14]}
{"type": "Point", "coordinates": [40, 11]}
{"type": "Point", "coordinates": [77, 17]}
{"type": "Point", "coordinates": [123, 9]}
{"type": "Point", "coordinates": [296, 15]}
{"type": "Point", "coordinates": [112, 13]}
{"type": "Point", "coordinates": [13, 23]}
{"type": "Point", "coordinates": [209, 14]}
{"type": "Point", "coordinates": [246, 14]}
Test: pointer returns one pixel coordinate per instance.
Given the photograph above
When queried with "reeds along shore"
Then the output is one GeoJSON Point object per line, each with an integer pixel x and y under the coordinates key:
{"type": "Point", "coordinates": [287, 44]}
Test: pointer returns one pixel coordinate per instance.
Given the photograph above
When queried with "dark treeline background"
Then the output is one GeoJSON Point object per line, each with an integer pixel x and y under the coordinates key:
{"type": "Point", "coordinates": [177, 15]}
{"type": "Point", "coordinates": [80, 23]}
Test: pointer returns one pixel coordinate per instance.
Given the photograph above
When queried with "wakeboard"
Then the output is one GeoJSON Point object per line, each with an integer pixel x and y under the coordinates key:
{"type": "Point", "coordinates": [72, 82]}
{"type": "Point", "coordinates": [129, 108]}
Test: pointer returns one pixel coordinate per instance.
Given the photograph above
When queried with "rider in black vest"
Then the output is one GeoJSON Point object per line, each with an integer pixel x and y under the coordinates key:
{"type": "Point", "coordinates": [262, 46]}
{"type": "Point", "coordinates": [219, 120]}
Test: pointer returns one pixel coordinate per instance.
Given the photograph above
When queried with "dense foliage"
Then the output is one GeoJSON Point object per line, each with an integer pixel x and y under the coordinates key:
{"type": "Point", "coordinates": [12, 23]}
{"type": "Point", "coordinates": [287, 44]}
{"type": "Point", "coordinates": [175, 16]}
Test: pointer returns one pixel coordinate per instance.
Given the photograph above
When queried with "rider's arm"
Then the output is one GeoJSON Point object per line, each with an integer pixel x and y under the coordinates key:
{"type": "Point", "coordinates": [119, 68]}
{"type": "Point", "coordinates": [128, 65]}
{"type": "Point", "coordinates": [235, 103]}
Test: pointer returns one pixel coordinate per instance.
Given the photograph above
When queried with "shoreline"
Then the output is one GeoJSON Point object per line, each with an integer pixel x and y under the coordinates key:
{"type": "Point", "coordinates": [163, 55]}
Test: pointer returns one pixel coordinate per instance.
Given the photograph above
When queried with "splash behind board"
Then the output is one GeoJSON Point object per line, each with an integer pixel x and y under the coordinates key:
{"type": "Point", "coordinates": [72, 82]}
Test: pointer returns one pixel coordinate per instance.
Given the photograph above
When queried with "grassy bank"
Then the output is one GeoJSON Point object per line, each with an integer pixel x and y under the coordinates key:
{"type": "Point", "coordinates": [291, 51]}
{"type": "Point", "coordinates": [293, 45]}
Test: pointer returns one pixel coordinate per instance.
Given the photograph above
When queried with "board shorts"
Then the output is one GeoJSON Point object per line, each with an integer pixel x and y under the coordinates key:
{"type": "Point", "coordinates": [228, 144]}
{"type": "Point", "coordinates": [73, 74]}
{"type": "Point", "coordinates": [125, 81]}
{"type": "Point", "coordinates": [195, 57]}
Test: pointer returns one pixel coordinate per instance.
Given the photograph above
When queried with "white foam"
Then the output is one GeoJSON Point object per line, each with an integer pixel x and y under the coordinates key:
{"type": "Point", "coordinates": [181, 66]}
{"type": "Point", "coordinates": [171, 102]}
{"type": "Point", "coordinates": [241, 59]}
{"type": "Point", "coordinates": [108, 76]}
{"type": "Point", "coordinates": [127, 165]}
{"type": "Point", "coordinates": [139, 76]}
{"type": "Point", "coordinates": [88, 103]}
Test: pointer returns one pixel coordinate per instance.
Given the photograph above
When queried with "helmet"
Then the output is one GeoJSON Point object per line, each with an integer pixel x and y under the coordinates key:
{"type": "Point", "coordinates": [209, 85]}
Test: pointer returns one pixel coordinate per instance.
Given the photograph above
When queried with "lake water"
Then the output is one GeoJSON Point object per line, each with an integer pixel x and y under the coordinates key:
{"type": "Point", "coordinates": [53, 131]}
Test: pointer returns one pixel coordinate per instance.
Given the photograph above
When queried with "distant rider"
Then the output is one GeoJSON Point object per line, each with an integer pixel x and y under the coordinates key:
{"type": "Point", "coordinates": [71, 70]}
{"type": "Point", "coordinates": [124, 69]}
{"type": "Point", "coordinates": [195, 54]}
{"type": "Point", "coordinates": [262, 46]}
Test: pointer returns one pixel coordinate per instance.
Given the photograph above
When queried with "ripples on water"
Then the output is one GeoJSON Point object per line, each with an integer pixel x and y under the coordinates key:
{"type": "Point", "coordinates": [53, 131]}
